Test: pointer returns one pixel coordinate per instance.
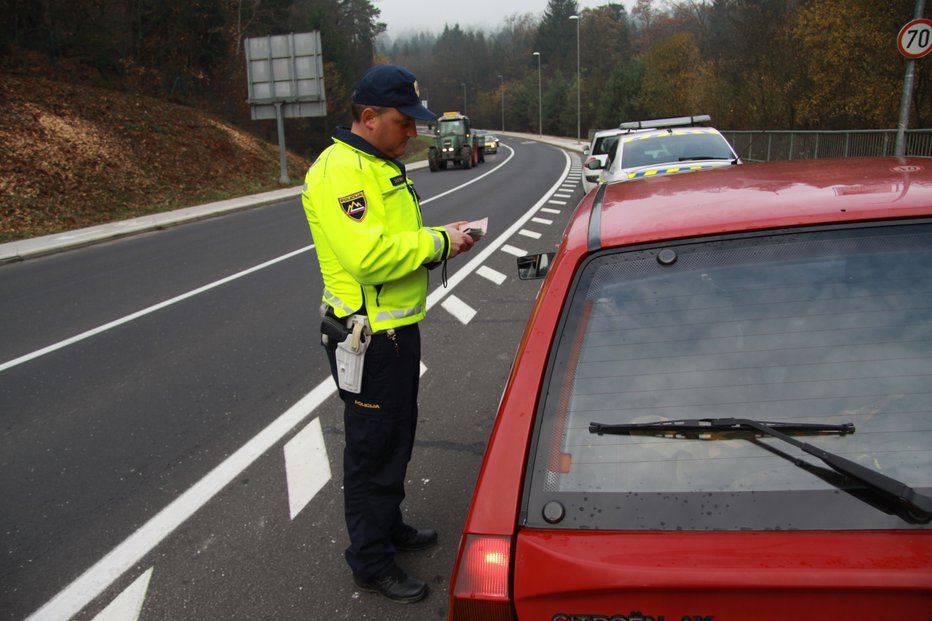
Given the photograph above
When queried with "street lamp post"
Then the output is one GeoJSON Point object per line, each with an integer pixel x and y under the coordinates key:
{"type": "Point", "coordinates": [502, 79]}
{"type": "Point", "coordinates": [540, 106]}
{"type": "Point", "coordinates": [464, 98]}
{"type": "Point", "coordinates": [578, 106]}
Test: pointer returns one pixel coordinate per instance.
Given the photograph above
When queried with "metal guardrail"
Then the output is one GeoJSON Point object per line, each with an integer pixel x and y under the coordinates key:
{"type": "Point", "coordinates": [767, 145]}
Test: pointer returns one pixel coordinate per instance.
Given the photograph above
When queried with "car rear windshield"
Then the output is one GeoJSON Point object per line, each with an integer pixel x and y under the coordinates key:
{"type": "Point", "coordinates": [676, 146]}
{"type": "Point", "coordinates": [820, 326]}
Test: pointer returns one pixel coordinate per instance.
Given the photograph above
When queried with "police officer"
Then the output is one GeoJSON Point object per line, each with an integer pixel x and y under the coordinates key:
{"type": "Point", "coordinates": [374, 254]}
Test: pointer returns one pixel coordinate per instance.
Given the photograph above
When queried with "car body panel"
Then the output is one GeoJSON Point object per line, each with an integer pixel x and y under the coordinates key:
{"type": "Point", "coordinates": [758, 196]}
{"type": "Point", "coordinates": [674, 575]}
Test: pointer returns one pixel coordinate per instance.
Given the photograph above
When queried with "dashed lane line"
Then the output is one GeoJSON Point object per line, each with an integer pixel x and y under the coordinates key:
{"type": "Point", "coordinates": [459, 309]}
{"type": "Point", "coordinates": [494, 275]}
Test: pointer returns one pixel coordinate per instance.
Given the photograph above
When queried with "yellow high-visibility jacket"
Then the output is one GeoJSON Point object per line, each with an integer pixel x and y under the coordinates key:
{"type": "Point", "coordinates": [371, 244]}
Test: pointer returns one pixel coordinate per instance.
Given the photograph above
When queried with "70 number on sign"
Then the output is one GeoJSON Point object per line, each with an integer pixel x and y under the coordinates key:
{"type": "Point", "coordinates": [915, 38]}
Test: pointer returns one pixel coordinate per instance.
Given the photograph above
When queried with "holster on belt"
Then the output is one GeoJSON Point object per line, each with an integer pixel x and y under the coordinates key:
{"type": "Point", "coordinates": [349, 339]}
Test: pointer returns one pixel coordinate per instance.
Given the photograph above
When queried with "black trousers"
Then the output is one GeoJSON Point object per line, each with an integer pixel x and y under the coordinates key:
{"type": "Point", "coordinates": [379, 423]}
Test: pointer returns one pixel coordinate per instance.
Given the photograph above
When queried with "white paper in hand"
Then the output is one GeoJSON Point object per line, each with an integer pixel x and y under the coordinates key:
{"type": "Point", "coordinates": [476, 228]}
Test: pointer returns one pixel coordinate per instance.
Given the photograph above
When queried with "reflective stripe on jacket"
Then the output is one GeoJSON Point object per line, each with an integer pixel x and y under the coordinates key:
{"type": "Point", "coordinates": [371, 244]}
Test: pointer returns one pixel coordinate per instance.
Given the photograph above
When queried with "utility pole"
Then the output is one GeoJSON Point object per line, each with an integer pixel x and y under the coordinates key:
{"type": "Point", "coordinates": [540, 105]}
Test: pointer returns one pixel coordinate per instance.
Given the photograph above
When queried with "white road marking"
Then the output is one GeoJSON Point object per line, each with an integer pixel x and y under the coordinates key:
{"type": "Point", "coordinates": [549, 210]}
{"type": "Point", "coordinates": [541, 220]}
{"type": "Point", "coordinates": [557, 202]}
{"type": "Point", "coordinates": [494, 275]}
{"type": "Point", "coordinates": [423, 369]}
{"type": "Point", "coordinates": [459, 309]}
{"type": "Point", "coordinates": [127, 554]}
{"type": "Point", "coordinates": [307, 468]}
{"type": "Point", "coordinates": [89, 585]}
{"type": "Point", "coordinates": [471, 181]}
{"type": "Point", "coordinates": [146, 311]}
{"type": "Point", "coordinates": [531, 234]}
{"type": "Point", "coordinates": [128, 604]}
{"type": "Point", "coordinates": [513, 251]}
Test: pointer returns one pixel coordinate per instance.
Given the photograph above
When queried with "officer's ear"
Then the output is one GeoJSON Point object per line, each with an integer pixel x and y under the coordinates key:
{"type": "Point", "coordinates": [370, 114]}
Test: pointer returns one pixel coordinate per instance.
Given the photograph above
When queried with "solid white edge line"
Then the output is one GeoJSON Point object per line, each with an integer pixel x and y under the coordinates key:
{"type": "Point", "coordinates": [146, 311]}
{"type": "Point", "coordinates": [471, 181]}
{"type": "Point", "coordinates": [100, 576]}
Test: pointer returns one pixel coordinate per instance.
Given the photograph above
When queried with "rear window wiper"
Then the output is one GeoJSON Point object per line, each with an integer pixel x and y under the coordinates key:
{"type": "Point", "coordinates": [885, 493]}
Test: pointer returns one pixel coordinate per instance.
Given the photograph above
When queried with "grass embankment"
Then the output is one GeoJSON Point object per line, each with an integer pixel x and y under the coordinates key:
{"type": "Point", "coordinates": [76, 156]}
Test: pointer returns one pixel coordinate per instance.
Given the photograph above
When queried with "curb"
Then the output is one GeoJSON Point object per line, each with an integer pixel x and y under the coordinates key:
{"type": "Point", "coordinates": [49, 244]}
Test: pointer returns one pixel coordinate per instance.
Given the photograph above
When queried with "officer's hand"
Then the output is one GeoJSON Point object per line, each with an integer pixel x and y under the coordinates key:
{"type": "Point", "coordinates": [459, 241]}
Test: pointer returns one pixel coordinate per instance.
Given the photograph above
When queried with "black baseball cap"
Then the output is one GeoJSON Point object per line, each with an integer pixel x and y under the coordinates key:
{"type": "Point", "coordinates": [392, 86]}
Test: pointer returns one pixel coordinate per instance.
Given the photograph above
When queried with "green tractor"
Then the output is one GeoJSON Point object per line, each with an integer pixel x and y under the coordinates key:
{"type": "Point", "coordinates": [454, 141]}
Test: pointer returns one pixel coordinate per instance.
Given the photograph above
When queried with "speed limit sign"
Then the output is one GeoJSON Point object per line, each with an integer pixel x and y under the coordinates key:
{"type": "Point", "coordinates": [915, 38]}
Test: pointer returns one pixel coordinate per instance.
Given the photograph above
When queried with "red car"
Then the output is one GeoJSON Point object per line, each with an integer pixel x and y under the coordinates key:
{"type": "Point", "coordinates": [721, 407]}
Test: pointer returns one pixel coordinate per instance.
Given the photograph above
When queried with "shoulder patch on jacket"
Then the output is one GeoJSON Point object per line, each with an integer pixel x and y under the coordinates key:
{"type": "Point", "coordinates": [354, 205]}
{"type": "Point", "coordinates": [398, 180]}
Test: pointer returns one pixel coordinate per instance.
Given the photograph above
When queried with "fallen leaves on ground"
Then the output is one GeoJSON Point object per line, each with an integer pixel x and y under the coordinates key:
{"type": "Point", "coordinates": [75, 156]}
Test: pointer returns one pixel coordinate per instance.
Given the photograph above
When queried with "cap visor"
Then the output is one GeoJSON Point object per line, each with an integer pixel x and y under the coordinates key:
{"type": "Point", "coordinates": [418, 112]}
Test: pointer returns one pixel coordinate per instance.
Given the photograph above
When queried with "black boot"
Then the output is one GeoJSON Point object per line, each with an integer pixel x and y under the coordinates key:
{"type": "Point", "coordinates": [395, 585]}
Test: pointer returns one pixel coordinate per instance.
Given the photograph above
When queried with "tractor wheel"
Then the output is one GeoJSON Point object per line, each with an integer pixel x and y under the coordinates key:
{"type": "Point", "coordinates": [466, 157]}
{"type": "Point", "coordinates": [481, 150]}
{"type": "Point", "coordinates": [443, 164]}
{"type": "Point", "coordinates": [432, 160]}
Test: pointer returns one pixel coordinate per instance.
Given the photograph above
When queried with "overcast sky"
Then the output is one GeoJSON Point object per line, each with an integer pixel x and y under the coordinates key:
{"type": "Point", "coordinates": [486, 15]}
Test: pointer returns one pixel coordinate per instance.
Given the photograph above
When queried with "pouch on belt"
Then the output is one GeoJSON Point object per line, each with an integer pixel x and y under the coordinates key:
{"type": "Point", "coordinates": [351, 354]}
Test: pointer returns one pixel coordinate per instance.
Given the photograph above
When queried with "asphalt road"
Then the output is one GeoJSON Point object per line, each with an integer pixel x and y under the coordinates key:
{"type": "Point", "coordinates": [171, 441]}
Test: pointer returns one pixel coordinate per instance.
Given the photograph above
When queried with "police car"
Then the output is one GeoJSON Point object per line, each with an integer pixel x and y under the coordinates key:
{"type": "Point", "coordinates": [603, 144]}
{"type": "Point", "coordinates": [664, 147]}
{"type": "Point", "coordinates": [720, 407]}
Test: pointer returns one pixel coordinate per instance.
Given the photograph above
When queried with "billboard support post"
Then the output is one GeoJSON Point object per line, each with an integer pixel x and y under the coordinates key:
{"type": "Point", "coordinates": [282, 157]}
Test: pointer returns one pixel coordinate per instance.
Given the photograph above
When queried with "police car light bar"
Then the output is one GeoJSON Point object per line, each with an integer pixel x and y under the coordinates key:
{"type": "Point", "coordinates": [671, 122]}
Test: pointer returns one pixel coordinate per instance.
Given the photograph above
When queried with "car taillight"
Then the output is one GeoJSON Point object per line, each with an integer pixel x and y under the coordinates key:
{"type": "Point", "coordinates": [480, 586]}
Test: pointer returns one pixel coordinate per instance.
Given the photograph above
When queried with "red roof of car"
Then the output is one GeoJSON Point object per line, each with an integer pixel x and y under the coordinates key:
{"type": "Point", "coordinates": [757, 196]}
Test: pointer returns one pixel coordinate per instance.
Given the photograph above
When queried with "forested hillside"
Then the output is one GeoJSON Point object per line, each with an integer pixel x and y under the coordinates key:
{"type": "Point", "coordinates": [751, 64]}
{"type": "Point", "coordinates": [77, 155]}
{"type": "Point", "coordinates": [111, 108]}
